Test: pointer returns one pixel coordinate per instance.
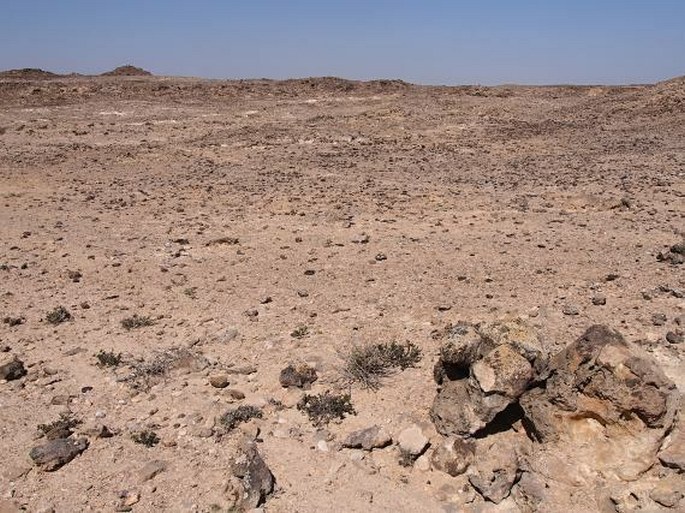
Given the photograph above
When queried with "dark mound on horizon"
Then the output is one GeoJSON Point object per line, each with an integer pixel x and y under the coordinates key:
{"type": "Point", "coordinates": [127, 71]}
{"type": "Point", "coordinates": [28, 74]}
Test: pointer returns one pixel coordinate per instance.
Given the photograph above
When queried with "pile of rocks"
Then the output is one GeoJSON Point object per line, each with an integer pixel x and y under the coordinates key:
{"type": "Point", "coordinates": [578, 431]}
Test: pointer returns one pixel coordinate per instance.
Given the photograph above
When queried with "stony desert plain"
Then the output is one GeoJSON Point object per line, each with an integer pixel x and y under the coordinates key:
{"type": "Point", "coordinates": [194, 275]}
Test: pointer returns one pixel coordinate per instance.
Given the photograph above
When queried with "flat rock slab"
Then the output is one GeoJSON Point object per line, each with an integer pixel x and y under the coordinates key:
{"type": "Point", "coordinates": [57, 453]}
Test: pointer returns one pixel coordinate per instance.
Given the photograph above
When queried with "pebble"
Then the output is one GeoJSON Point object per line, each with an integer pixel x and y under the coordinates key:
{"type": "Point", "coordinates": [570, 310]}
{"type": "Point", "coordinates": [675, 337]}
{"type": "Point", "coordinates": [412, 440]}
{"type": "Point", "coordinates": [219, 381]}
{"type": "Point", "coordinates": [599, 300]}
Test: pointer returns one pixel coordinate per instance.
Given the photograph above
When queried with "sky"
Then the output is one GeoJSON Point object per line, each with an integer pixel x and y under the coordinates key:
{"type": "Point", "coordinates": [422, 41]}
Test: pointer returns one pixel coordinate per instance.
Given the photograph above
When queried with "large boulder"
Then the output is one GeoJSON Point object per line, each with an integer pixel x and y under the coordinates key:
{"type": "Point", "coordinates": [600, 418]}
{"type": "Point", "coordinates": [482, 370]}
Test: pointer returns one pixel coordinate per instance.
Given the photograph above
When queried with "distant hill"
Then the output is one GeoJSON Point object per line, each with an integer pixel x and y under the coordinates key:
{"type": "Point", "coordinates": [127, 71]}
{"type": "Point", "coordinates": [28, 74]}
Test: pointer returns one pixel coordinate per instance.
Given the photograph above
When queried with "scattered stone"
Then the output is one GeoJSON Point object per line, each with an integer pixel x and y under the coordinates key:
{"type": "Point", "coordinates": [257, 481]}
{"type": "Point", "coordinates": [675, 337]}
{"type": "Point", "coordinates": [570, 310]}
{"type": "Point", "coordinates": [599, 300]}
{"type": "Point", "coordinates": [370, 438]}
{"type": "Point", "coordinates": [245, 370]}
{"type": "Point", "coordinates": [412, 441]}
{"type": "Point", "coordinates": [57, 453]}
{"type": "Point", "coordinates": [127, 499]}
{"type": "Point", "coordinates": [453, 456]}
{"type": "Point", "coordinates": [380, 257]}
{"type": "Point", "coordinates": [152, 469]}
{"type": "Point", "coordinates": [299, 376]}
{"type": "Point", "coordinates": [235, 394]}
{"type": "Point", "coordinates": [12, 370]}
{"type": "Point", "coordinates": [219, 381]}
{"type": "Point", "coordinates": [659, 319]}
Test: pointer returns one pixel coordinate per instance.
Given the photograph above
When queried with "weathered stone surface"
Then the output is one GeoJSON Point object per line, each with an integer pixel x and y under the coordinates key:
{"type": "Point", "coordinates": [483, 370]}
{"type": "Point", "coordinates": [299, 376]}
{"type": "Point", "coordinates": [602, 380]}
{"type": "Point", "coordinates": [219, 380]}
{"type": "Point", "coordinates": [152, 469]}
{"type": "Point", "coordinates": [57, 453]}
{"type": "Point", "coordinates": [257, 481]}
{"type": "Point", "coordinates": [668, 492]}
{"type": "Point", "coordinates": [370, 438]}
{"type": "Point", "coordinates": [14, 369]}
{"type": "Point", "coordinates": [453, 456]}
{"type": "Point", "coordinates": [495, 470]}
{"type": "Point", "coordinates": [601, 416]}
{"type": "Point", "coordinates": [412, 440]}
{"type": "Point", "coordinates": [672, 454]}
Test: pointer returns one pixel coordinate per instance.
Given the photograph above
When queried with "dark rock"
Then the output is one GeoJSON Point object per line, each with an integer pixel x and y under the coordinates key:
{"type": "Point", "coordinates": [483, 370]}
{"type": "Point", "coordinates": [257, 481]}
{"type": "Point", "coordinates": [300, 376]}
{"type": "Point", "coordinates": [12, 370]}
{"type": "Point", "coordinates": [675, 337]}
{"type": "Point", "coordinates": [570, 310]}
{"type": "Point", "coordinates": [57, 453]}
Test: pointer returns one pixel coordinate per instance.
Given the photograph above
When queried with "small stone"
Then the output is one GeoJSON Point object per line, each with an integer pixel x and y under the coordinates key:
{"type": "Point", "coordinates": [454, 456]}
{"type": "Point", "coordinates": [219, 381]}
{"type": "Point", "coordinates": [659, 319]}
{"type": "Point", "coordinates": [12, 370]}
{"type": "Point", "coordinates": [373, 437]}
{"type": "Point", "coordinates": [422, 463]}
{"type": "Point", "coordinates": [235, 394]}
{"type": "Point", "coordinates": [302, 293]}
{"type": "Point", "coordinates": [380, 257]}
{"type": "Point", "coordinates": [599, 300]}
{"type": "Point", "coordinates": [675, 337]}
{"type": "Point", "coordinates": [680, 320]}
{"type": "Point", "coordinates": [322, 446]}
{"type": "Point", "coordinates": [666, 493]}
{"type": "Point", "coordinates": [412, 441]}
{"type": "Point", "coordinates": [570, 310]}
{"type": "Point", "coordinates": [443, 308]}
{"type": "Point", "coordinates": [152, 469]}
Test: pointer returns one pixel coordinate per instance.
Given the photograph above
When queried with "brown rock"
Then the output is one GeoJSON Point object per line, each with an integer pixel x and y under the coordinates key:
{"type": "Point", "coordinates": [453, 456]}
{"type": "Point", "coordinates": [668, 492]}
{"type": "Point", "coordinates": [495, 471]}
{"type": "Point", "coordinates": [152, 469]}
{"type": "Point", "coordinates": [370, 438]}
{"type": "Point", "coordinates": [219, 381]}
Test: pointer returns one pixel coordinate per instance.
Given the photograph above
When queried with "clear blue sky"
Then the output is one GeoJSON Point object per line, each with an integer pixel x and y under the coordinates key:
{"type": "Point", "coordinates": [423, 41]}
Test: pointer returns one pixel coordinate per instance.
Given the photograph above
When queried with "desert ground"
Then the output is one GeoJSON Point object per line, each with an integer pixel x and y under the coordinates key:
{"type": "Point", "coordinates": [169, 245]}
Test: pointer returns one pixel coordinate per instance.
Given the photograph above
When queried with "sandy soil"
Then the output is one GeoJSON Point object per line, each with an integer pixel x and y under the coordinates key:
{"type": "Point", "coordinates": [477, 202]}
